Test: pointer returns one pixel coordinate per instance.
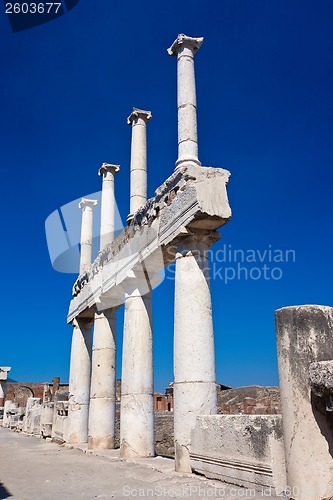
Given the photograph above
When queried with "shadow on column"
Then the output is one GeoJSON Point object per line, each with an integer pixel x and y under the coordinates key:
{"type": "Point", "coordinates": [324, 420]}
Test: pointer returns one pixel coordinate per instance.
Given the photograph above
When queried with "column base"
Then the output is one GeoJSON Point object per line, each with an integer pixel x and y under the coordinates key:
{"type": "Point", "coordinates": [101, 443]}
{"type": "Point", "coordinates": [102, 420]}
{"type": "Point", "coordinates": [182, 458]}
{"type": "Point", "coordinates": [78, 423]}
{"type": "Point", "coordinates": [137, 426]}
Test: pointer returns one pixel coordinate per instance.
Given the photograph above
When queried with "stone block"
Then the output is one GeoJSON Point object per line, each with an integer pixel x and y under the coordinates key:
{"type": "Point", "coordinates": [245, 450]}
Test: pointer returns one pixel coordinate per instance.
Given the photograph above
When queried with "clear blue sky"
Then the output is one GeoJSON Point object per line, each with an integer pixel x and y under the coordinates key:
{"type": "Point", "coordinates": [265, 112]}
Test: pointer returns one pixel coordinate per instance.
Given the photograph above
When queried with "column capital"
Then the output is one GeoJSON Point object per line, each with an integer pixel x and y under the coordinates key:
{"type": "Point", "coordinates": [108, 167]}
{"type": "Point", "coordinates": [85, 202]}
{"type": "Point", "coordinates": [139, 113]}
{"type": "Point", "coordinates": [185, 41]}
{"type": "Point", "coordinates": [193, 242]}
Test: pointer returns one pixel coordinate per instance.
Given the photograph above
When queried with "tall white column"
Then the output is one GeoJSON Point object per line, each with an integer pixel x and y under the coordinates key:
{"type": "Point", "coordinates": [138, 120]}
{"type": "Point", "coordinates": [194, 360]}
{"type": "Point", "coordinates": [185, 48]}
{"type": "Point", "coordinates": [137, 400]}
{"type": "Point", "coordinates": [79, 381]}
{"type": "Point", "coordinates": [102, 411]}
{"type": "Point", "coordinates": [107, 172]}
{"type": "Point", "coordinates": [86, 232]}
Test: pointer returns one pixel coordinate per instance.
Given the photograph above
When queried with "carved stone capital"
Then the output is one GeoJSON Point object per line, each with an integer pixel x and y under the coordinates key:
{"type": "Point", "coordinates": [139, 113]}
{"type": "Point", "coordinates": [83, 323]}
{"type": "Point", "coordinates": [193, 242]}
{"type": "Point", "coordinates": [108, 167]}
{"type": "Point", "coordinates": [85, 202]}
{"type": "Point", "coordinates": [185, 41]}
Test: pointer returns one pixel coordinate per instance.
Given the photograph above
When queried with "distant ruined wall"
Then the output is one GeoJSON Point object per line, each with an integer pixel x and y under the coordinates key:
{"type": "Point", "coordinates": [250, 400]}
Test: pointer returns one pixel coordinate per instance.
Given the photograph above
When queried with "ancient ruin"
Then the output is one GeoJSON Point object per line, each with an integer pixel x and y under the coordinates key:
{"type": "Point", "coordinates": [247, 440]}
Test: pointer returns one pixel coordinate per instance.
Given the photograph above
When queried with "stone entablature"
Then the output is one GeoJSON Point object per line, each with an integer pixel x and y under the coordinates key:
{"type": "Point", "coordinates": [192, 197]}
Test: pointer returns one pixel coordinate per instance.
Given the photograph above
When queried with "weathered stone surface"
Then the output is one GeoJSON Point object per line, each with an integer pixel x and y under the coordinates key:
{"type": "Point", "coordinates": [32, 417]}
{"type": "Point", "coordinates": [321, 377]}
{"type": "Point", "coordinates": [304, 336]}
{"type": "Point", "coordinates": [244, 450]}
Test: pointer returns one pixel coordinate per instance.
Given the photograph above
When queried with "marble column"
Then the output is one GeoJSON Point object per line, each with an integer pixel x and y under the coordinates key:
{"type": "Point", "coordinates": [194, 360]}
{"type": "Point", "coordinates": [138, 120]}
{"type": "Point", "coordinates": [107, 172]}
{"type": "Point", "coordinates": [185, 47]}
{"type": "Point", "coordinates": [102, 411]}
{"type": "Point", "coordinates": [137, 400]}
{"type": "Point", "coordinates": [86, 232]}
{"type": "Point", "coordinates": [304, 336]}
{"type": "Point", "coordinates": [79, 381]}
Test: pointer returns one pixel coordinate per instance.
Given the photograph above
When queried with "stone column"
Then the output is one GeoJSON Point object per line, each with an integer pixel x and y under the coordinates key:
{"type": "Point", "coordinates": [194, 360]}
{"type": "Point", "coordinates": [79, 381]}
{"type": "Point", "coordinates": [138, 120]}
{"type": "Point", "coordinates": [102, 413]}
{"type": "Point", "coordinates": [107, 172]}
{"type": "Point", "coordinates": [2, 393]}
{"type": "Point", "coordinates": [305, 335]}
{"type": "Point", "coordinates": [185, 48]}
{"type": "Point", "coordinates": [137, 400]}
{"type": "Point", "coordinates": [86, 232]}
{"type": "Point", "coordinates": [3, 381]}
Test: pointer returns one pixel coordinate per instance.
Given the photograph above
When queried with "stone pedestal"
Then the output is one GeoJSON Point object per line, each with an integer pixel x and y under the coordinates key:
{"type": "Point", "coordinates": [79, 381]}
{"type": "Point", "coordinates": [86, 232]}
{"type": "Point", "coordinates": [185, 48]}
{"type": "Point", "coordinates": [107, 171]}
{"type": "Point", "coordinates": [102, 412]}
{"type": "Point", "coordinates": [138, 120]}
{"type": "Point", "coordinates": [137, 400]}
{"type": "Point", "coordinates": [194, 361]}
{"type": "Point", "coordinates": [304, 336]}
